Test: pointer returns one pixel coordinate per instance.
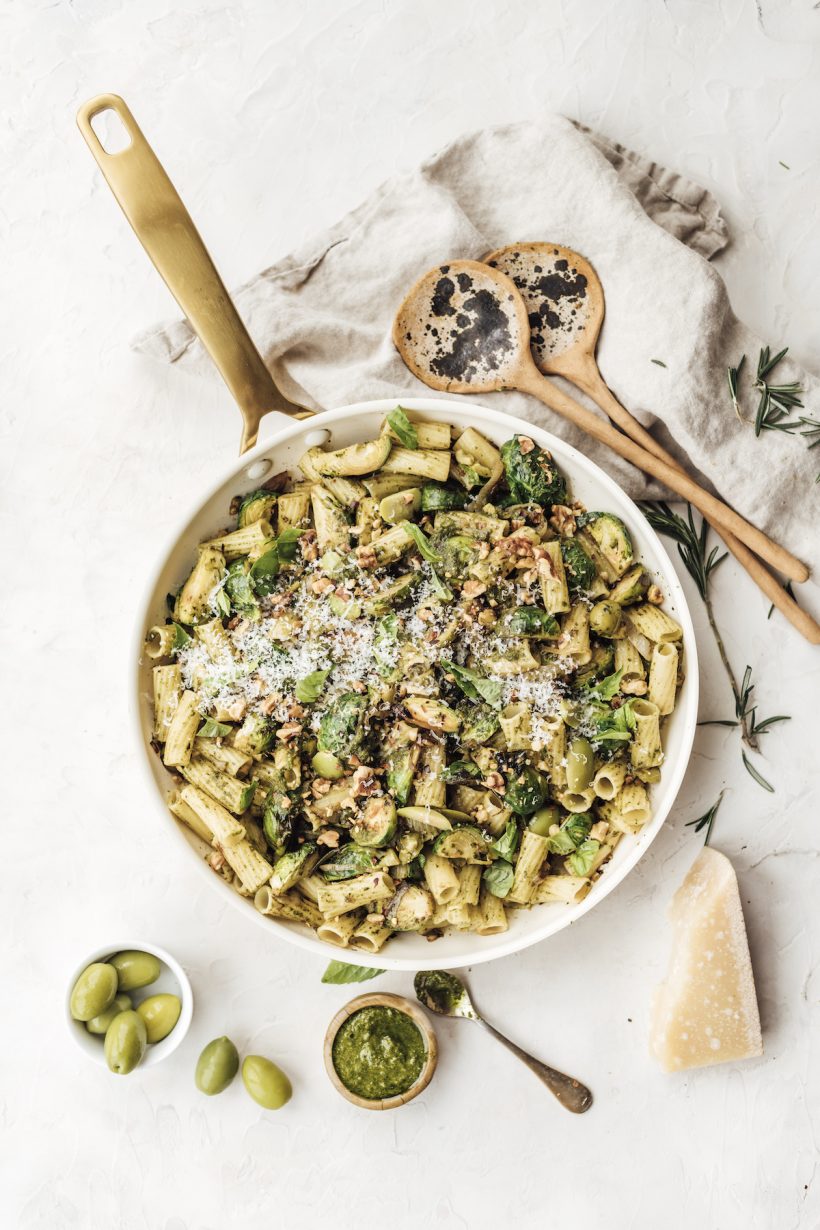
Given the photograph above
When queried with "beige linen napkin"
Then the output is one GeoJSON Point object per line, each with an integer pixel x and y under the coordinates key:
{"type": "Point", "coordinates": [322, 316]}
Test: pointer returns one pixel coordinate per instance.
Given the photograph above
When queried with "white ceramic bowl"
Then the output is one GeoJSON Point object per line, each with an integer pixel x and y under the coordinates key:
{"type": "Point", "coordinates": [172, 981]}
{"type": "Point", "coordinates": [589, 484]}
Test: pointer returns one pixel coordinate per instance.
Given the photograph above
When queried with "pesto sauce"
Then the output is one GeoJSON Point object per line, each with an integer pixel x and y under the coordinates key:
{"type": "Point", "coordinates": [378, 1052]}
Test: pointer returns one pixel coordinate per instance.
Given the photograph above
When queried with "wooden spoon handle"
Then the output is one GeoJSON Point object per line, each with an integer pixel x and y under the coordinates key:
{"type": "Point", "coordinates": [531, 381]}
{"type": "Point", "coordinates": [593, 384]}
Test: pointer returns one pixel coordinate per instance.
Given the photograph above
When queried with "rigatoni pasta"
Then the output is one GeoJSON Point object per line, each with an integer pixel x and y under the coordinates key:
{"type": "Point", "coordinates": [388, 709]}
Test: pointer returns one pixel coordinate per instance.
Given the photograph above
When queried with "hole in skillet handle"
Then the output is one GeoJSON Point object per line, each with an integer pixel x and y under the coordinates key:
{"type": "Point", "coordinates": [110, 131]}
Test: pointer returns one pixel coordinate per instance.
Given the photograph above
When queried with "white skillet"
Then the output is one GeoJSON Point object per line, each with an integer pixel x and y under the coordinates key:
{"type": "Point", "coordinates": [165, 228]}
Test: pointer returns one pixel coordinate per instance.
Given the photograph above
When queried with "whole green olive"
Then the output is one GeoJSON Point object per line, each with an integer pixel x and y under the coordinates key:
{"type": "Point", "coordinates": [605, 618]}
{"type": "Point", "coordinates": [543, 820]}
{"type": "Point", "coordinates": [266, 1083]}
{"type": "Point", "coordinates": [580, 764]}
{"type": "Point", "coordinates": [99, 1024]}
{"type": "Point", "coordinates": [125, 1042]}
{"type": "Point", "coordinates": [93, 991]}
{"type": "Point", "coordinates": [160, 1013]}
{"type": "Point", "coordinates": [135, 969]}
{"type": "Point", "coordinates": [217, 1066]}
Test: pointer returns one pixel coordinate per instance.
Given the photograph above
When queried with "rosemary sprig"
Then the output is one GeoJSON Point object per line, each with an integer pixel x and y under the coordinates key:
{"type": "Point", "coordinates": [707, 819]}
{"type": "Point", "coordinates": [788, 588]}
{"type": "Point", "coordinates": [700, 562]}
{"type": "Point", "coordinates": [733, 376]}
{"type": "Point", "coordinates": [811, 431]}
{"type": "Point", "coordinates": [776, 400]}
{"type": "Point", "coordinates": [692, 544]}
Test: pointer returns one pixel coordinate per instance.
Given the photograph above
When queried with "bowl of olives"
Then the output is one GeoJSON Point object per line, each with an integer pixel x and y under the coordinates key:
{"type": "Point", "coordinates": [129, 1005]}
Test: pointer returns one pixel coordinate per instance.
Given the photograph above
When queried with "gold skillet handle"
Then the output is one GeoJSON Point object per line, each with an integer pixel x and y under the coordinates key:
{"type": "Point", "coordinates": [164, 228]}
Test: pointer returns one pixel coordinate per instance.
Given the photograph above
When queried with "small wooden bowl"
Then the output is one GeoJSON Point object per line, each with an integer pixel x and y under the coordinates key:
{"type": "Point", "coordinates": [418, 1018]}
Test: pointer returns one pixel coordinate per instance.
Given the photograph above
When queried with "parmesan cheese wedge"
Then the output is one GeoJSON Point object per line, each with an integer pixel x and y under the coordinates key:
{"type": "Point", "coordinates": [705, 1011]}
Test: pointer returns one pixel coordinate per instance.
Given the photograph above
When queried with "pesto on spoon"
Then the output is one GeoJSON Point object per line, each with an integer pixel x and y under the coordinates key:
{"type": "Point", "coordinates": [447, 995]}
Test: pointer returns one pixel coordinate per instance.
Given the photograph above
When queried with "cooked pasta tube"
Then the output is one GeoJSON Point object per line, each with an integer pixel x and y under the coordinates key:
{"type": "Point", "coordinates": [244, 540]}
{"type": "Point", "coordinates": [488, 917]}
{"type": "Point", "coordinates": [441, 878]}
{"type": "Point", "coordinates": [609, 779]}
{"type": "Point", "coordinates": [159, 642]}
{"type": "Point", "coordinates": [346, 895]}
{"type": "Point", "coordinates": [567, 889]}
{"type": "Point", "coordinates": [554, 733]}
{"type": "Point", "coordinates": [224, 756]}
{"type": "Point", "coordinates": [628, 661]}
{"type": "Point", "coordinates": [181, 734]}
{"type": "Point", "coordinates": [469, 884]}
{"type": "Point", "coordinates": [553, 579]}
{"type": "Point", "coordinates": [646, 741]}
{"type": "Point", "coordinates": [663, 677]}
{"type": "Point", "coordinates": [232, 793]}
{"type": "Point", "coordinates": [246, 862]}
{"type": "Point", "coordinates": [515, 722]}
{"type": "Point", "coordinates": [167, 684]}
{"type": "Point", "coordinates": [184, 812]}
{"type": "Point", "coordinates": [576, 800]}
{"type": "Point", "coordinates": [227, 830]}
{"type": "Point", "coordinates": [653, 623]}
{"type": "Point", "coordinates": [371, 934]}
{"type": "Point", "coordinates": [531, 854]}
{"type": "Point", "coordinates": [339, 930]}
{"type": "Point", "coordinates": [289, 906]}
{"type": "Point", "coordinates": [459, 915]}
{"type": "Point", "coordinates": [429, 790]}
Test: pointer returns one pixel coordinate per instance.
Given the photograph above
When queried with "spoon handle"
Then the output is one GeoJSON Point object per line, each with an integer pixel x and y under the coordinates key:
{"type": "Point", "coordinates": [530, 380]}
{"type": "Point", "coordinates": [589, 379]}
{"type": "Point", "coordinates": [570, 1093]}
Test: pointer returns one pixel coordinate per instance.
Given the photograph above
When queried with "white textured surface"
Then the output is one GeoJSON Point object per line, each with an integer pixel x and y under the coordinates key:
{"type": "Point", "coordinates": [273, 118]}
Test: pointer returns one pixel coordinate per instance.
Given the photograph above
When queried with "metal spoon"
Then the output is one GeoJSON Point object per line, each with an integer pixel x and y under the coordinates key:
{"type": "Point", "coordinates": [565, 303]}
{"type": "Point", "coordinates": [464, 328]}
{"type": "Point", "coordinates": [447, 995]}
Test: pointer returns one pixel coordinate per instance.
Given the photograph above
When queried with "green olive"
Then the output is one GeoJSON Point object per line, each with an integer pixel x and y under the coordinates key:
{"type": "Point", "coordinates": [99, 1024]}
{"type": "Point", "coordinates": [125, 1042]}
{"type": "Point", "coordinates": [580, 764]}
{"type": "Point", "coordinates": [327, 765]}
{"type": "Point", "coordinates": [93, 991]}
{"type": "Point", "coordinates": [160, 1013]}
{"type": "Point", "coordinates": [135, 969]}
{"type": "Point", "coordinates": [605, 618]}
{"type": "Point", "coordinates": [217, 1066]}
{"type": "Point", "coordinates": [266, 1083]}
{"type": "Point", "coordinates": [543, 820]}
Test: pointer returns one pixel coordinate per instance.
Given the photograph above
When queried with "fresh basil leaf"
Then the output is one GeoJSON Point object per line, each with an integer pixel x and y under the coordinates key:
{"type": "Point", "coordinates": [181, 637]}
{"type": "Point", "coordinates": [580, 863]}
{"type": "Point", "coordinates": [211, 729]}
{"type": "Point", "coordinates": [287, 543]}
{"type": "Point", "coordinates": [439, 588]}
{"type": "Point", "coordinates": [309, 689]}
{"type": "Point", "coordinates": [506, 845]}
{"type": "Point", "coordinates": [606, 688]}
{"type": "Point", "coordinates": [402, 428]}
{"type": "Point", "coordinates": [223, 603]}
{"type": "Point", "coordinates": [474, 685]}
{"type": "Point", "coordinates": [339, 972]}
{"type": "Point", "coordinates": [265, 570]}
{"type": "Point", "coordinates": [498, 877]}
{"type": "Point", "coordinates": [617, 725]}
{"type": "Point", "coordinates": [422, 542]}
{"type": "Point", "coordinates": [459, 769]}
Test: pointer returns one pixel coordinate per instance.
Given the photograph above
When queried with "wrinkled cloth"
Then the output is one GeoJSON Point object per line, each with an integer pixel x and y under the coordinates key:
{"type": "Point", "coordinates": [322, 316]}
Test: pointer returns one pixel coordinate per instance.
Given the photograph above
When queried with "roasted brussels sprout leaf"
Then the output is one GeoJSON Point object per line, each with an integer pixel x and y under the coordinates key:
{"type": "Point", "coordinates": [531, 473]}
{"type": "Point", "coordinates": [498, 877]}
{"type": "Point", "coordinates": [478, 722]}
{"type": "Point", "coordinates": [277, 818]}
{"type": "Point", "coordinates": [438, 587]}
{"type": "Point", "coordinates": [526, 790]}
{"type": "Point", "coordinates": [223, 602]}
{"type": "Point", "coordinates": [309, 689]}
{"type": "Point", "coordinates": [572, 833]}
{"type": "Point", "coordinates": [211, 729]}
{"type": "Point", "coordinates": [473, 685]}
{"type": "Point", "coordinates": [340, 972]}
{"type": "Point", "coordinates": [340, 730]}
{"type": "Point", "coordinates": [579, 567]}
{"type": "Point", "coordinates": [442, 497]}
{"type": "Point", "coordinates": [458, 769]}
{"type": "Point", "coordinates": [349, 861]}
{"type": "Point", "coordinates": [239, 588]}
{"type": "Point", "coordinates": [606, 688]}
{"type": "Point", "coordinates": [531, 621]}
{"type": "Point", "coordinates": [402, 428]}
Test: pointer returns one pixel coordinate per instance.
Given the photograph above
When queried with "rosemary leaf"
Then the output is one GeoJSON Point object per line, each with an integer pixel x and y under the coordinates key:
{"type": "Point", "coordinates": [752, 771]}
{"type": "Point", "coordinates": [707, 819]}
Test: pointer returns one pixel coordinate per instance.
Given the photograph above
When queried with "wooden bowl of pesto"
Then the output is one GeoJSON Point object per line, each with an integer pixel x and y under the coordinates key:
{"type": "Point", "coordinates": [380, 1051]}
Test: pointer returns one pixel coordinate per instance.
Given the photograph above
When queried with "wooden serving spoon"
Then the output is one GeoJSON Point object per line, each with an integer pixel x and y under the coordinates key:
{"type": "Point", "coordinates": [463, 328]}
{"type": "Point", "coordinates": [565, 303]}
